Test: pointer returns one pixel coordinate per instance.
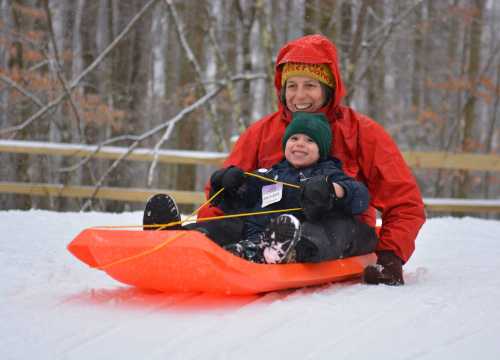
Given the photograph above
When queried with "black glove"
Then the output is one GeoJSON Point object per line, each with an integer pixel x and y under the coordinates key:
{"type": "Point", "coordinates": [389, 270]}
{"type": "Point", "coordinates": [216, 181]}
{"type": "Point", "coordinates": [230, 179]}
{"type": "Point", "coordinates": [317, 197]}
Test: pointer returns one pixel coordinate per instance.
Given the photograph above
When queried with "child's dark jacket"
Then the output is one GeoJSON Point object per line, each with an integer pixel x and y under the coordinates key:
{"type": "Point", "coordinates": [248, 198]}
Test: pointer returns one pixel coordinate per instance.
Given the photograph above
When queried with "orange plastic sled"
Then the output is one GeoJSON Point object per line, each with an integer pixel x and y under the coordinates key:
{"type": "Point", "coordinates": [187, 261]}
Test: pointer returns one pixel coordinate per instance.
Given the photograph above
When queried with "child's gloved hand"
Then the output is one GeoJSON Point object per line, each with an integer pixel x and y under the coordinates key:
{"type": "Point", "coordinates": [317, 197]}
{"type": "Point", "coordinates": [389, 270]}
{"type": "Point", "coordinates": [230, 178]}
{"type": "Point", "coordinates": [233, 178]}
{"type": "Point", "coordinates": [216, 180]}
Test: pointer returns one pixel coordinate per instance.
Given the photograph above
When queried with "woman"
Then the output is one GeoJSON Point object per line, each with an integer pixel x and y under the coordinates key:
{"type": "Point", "coordinates": [307, 79]}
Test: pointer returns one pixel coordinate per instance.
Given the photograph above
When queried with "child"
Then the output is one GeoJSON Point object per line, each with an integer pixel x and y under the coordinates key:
{"type": "Point", "coordinates": [325, 229]}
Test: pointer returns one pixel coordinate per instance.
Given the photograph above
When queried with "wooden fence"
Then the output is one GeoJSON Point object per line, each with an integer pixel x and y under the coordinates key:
{"type": "Point", "coordinates": [424, 160]}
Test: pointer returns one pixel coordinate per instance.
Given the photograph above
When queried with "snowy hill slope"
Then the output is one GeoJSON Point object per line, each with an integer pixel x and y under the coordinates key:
{"type": "Point", "coordinates": [54, 307]}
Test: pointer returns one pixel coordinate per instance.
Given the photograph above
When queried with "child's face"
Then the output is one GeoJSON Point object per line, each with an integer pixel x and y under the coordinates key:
{"type": "Point", "coordinates": [301, 151]}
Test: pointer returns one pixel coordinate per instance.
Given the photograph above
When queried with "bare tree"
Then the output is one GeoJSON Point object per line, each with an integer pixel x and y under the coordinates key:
{"type": "Point", "coordinates": [143, 73]}
{"type": "Point", "coordinates": [475, 34]}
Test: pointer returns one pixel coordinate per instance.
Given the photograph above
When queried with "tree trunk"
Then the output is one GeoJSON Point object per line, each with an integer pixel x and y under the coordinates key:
{"type": "Point", "coordinates": [417, 66]}
{"type": "Point", "coordinates": [187, 130]}
{"type": "Point", "coordinates": [355, 48]}
{"type": "Point", "coordinates": [246, 15]}
{"type": "Point", "coordinates": [375, 78]}
{"type": "Point", "coordinates": [345, 39]}
{"type": "Point", "coordinates": [17, 65]}
{"type": "Point", "coordinates": [468, 142]}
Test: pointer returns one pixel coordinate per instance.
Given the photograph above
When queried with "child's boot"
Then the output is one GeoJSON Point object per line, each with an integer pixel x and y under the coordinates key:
{"type": "Point", "coordinates": [282, 234]}
{"type": "Point", "coordinates": [161, 209]}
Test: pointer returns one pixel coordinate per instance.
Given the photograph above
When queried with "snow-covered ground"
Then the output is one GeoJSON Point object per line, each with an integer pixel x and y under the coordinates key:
{"type": "Point", "coordinates": [54, 307]}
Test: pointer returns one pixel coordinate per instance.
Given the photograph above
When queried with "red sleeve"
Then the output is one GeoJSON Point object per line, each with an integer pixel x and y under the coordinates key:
{"type": "Point", "coordinates": [245, 151]}
{"type": "Point", "coordinates": [393, 189]}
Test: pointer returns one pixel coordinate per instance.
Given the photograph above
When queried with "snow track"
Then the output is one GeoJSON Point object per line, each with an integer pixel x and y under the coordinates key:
{"type": "Point", "coordinates": [54, 307]}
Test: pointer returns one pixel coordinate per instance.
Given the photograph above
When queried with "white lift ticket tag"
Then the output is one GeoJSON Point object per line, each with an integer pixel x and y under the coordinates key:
{"type": "Point", "coordinates": [271, 194]}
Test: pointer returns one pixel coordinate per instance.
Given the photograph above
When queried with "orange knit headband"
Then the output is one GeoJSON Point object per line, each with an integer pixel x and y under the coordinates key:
{"type": "Point", "coordinates": [320, 72]}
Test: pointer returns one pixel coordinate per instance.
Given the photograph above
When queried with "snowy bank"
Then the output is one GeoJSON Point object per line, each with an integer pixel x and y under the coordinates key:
{"type": "Point", "coordinates": [54, 307]}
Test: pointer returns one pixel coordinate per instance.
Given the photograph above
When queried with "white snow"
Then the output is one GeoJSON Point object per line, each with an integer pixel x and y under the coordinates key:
{"type": "Point", "coordinates": [54, 307]}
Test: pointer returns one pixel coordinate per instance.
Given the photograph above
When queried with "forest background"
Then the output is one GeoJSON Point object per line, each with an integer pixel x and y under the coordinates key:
{"type": "Point", "coordinates": [194, 74]}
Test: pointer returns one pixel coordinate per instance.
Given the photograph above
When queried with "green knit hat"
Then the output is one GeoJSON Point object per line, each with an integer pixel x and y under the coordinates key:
{"type": "Point", "coordinates": [314, 125]}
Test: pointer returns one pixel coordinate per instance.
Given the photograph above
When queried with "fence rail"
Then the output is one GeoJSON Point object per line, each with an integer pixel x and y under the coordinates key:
{"type": "Point", "coordinates": [196, 197]}
{"type": "Point", "coordinates": [415, 159]}
{"type": "Point", "coordinates": [106, 193]}
{"type": "Point", "coordinates": [459, 161]}
{"type": "Point", "coordinates": [111, 152]}
{"type": "Point", "coordinates": [427, 160]}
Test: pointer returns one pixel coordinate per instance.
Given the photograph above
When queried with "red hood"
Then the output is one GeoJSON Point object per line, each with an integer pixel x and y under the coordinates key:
{"type": "Point", "coordinates": [311, 49]}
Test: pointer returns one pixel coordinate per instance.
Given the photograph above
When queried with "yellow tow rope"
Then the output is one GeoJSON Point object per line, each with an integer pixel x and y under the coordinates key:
{"type": "Point", "coordinates": [221, 217]}
{"type": "Point", "coordinates": [189, 218]}
{"type": "Point", "coordinates": [272, 180]}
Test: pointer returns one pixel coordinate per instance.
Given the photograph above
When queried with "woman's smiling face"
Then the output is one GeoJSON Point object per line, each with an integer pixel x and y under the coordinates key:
{"type": "Point", "coordinates": [303, 93]}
